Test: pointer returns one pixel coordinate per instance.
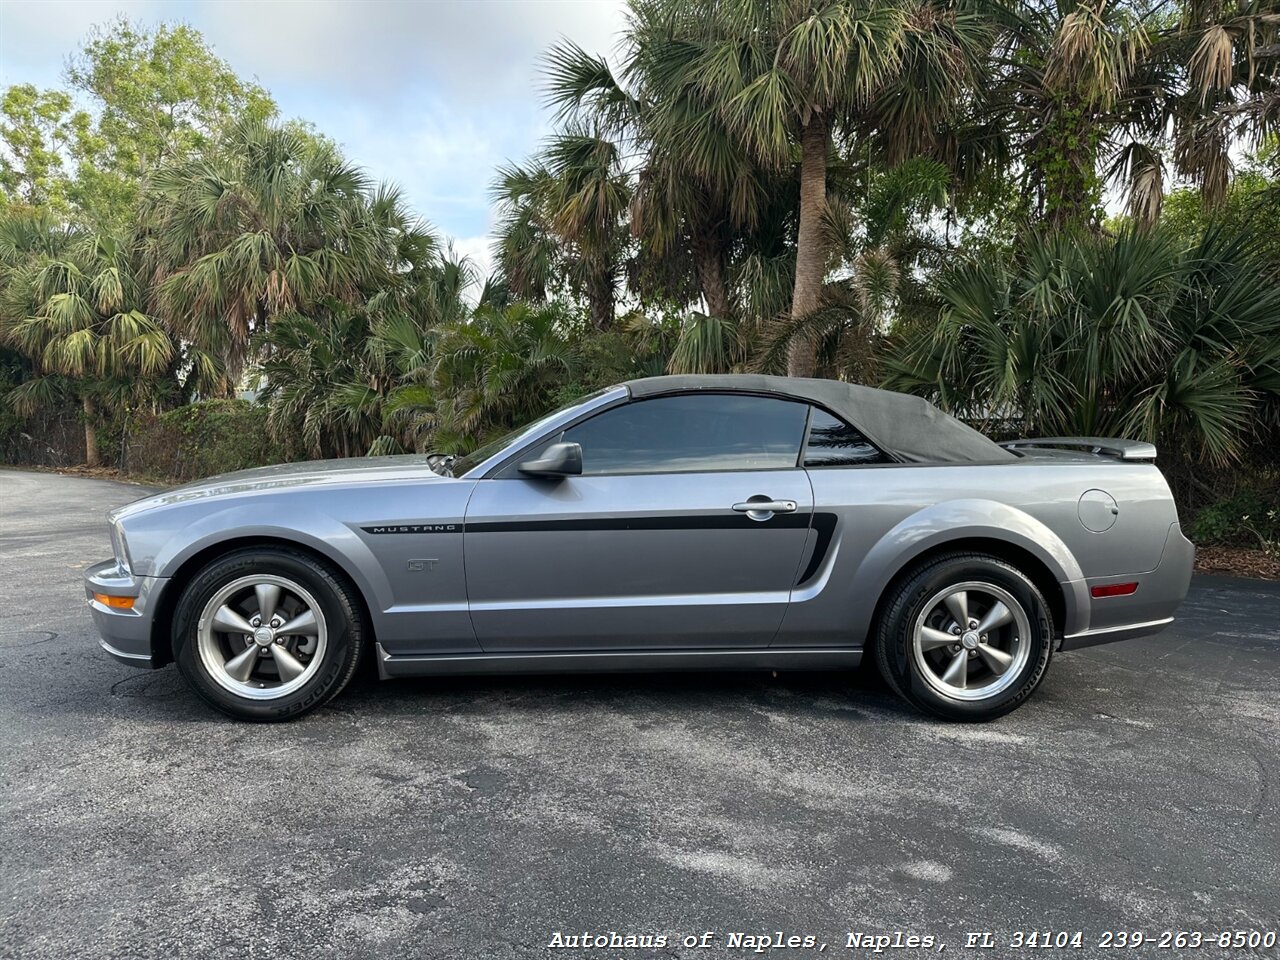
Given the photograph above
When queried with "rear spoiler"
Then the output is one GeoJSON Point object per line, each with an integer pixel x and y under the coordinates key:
{"type": "Point", "coordinates": [1099, 446]}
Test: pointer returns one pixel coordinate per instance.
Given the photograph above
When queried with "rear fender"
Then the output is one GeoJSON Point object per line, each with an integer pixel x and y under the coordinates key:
{"type": "Point", "coordinates": [935, 526]}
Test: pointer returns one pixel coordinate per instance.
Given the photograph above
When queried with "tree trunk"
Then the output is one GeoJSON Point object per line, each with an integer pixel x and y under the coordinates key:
{"type": "Point", "coordinates": [600, 298]}
{"type": "Point", "coordinates": [709, 259]}
{"type": "Point", "coordinates": [811, 253]}
{"type": "Point", "coordinates": [1068, 165]}
{"type": "Point", "coordinates": [91, 456]}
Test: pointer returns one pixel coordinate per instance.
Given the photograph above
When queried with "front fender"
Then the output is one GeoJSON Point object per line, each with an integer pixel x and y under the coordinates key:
{"type": "Point", "coordinates": [307, 527]}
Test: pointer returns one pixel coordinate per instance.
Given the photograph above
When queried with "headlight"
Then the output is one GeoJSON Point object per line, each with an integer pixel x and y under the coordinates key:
{"type": "Point", "coordinates": [120, 548]}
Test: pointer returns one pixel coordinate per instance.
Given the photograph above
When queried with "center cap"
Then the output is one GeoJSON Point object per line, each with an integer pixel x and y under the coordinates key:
{"type": "Point", "coordinates": [263, 636]}
{"type": "Point", "coordinates": [969, 641]}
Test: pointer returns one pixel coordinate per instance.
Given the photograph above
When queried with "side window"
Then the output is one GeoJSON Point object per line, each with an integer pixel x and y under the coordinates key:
{"type": "Point", "coordinates": [692, 432]}
{"type": "Point", "coordinates": [833, 443]}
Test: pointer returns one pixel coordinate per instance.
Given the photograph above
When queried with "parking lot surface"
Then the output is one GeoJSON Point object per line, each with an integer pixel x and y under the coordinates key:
{"type": "Point", "coordinates": [480, 818]}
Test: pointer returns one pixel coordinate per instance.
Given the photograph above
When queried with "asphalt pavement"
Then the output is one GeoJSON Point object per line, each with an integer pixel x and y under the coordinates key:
{"type": "Point", "coordinates": [1139, 790]}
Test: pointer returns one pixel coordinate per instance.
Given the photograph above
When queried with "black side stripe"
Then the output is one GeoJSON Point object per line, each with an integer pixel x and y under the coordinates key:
{"type": "Point", "coordinates": [728, 521]}
{"type": "Point", "coordinates": [824, 524]}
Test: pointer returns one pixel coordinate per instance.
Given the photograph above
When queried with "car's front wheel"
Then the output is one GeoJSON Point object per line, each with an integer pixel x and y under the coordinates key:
{"type": "Point", "coordinates": [267, 634]}
{"type": "Point", "coordinates": [965, 637]}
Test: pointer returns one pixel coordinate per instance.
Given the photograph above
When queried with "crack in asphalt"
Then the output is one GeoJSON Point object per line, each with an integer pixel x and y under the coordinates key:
{"type": "Point", "coordinates": [45, 636]}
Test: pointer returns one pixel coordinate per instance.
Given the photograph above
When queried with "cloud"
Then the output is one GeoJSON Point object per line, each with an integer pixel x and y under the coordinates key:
{"type": "Point", "coordinates": [470, 51]}
{"type": "Point", "coordinates": [430, 95]}
{"type": "Point", "coordinates": [36, 38]}
{"type": "Point", "coordinates": [479, 250]}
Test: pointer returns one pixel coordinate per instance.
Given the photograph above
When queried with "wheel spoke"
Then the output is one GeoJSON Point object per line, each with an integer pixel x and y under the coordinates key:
{"type": "Point", "coordinates": [997, 660]}
{"type": "Point", "coordinates": [958, 672]}
{"type": "Point", "coordinates": [228, 621]}
{"type": "Point", "coordinates": [268, 599]}
{"type": "Point", "coordinates": [997, 616]}
{"type": "Point", "coordinates": [237, 631]}
{"type": "Point", "coordinates": [931, 639]}
{"type": "Point", "coordinates": [957, 605]}
{"type": "Point", "coordinates": [304, 624]}
{"type": "Point", "coordinates": [286, 663]}
{"type": "Point", "coordinates": [240, 667]}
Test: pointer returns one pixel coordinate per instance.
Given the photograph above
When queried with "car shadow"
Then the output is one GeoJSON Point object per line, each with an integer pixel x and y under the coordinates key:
{"type": "Point", "coordinates": [846, 691]}
{"type": "Point", "coordinates": [163, 696]}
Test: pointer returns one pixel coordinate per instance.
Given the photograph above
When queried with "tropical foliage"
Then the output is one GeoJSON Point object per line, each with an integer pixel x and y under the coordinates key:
{"type": "Point", "coordinates": [135, 99]}
{"type": "Point", "coordinates": [269, 221]}
{"type": "Point", "coordinates": [1137, 335]}
{"type": "Point", "coordinates": [1048, 215]}
{"type": "Point", "coordinates": [72, 302]}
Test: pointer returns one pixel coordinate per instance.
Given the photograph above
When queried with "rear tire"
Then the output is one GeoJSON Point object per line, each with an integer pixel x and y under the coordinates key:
{"type": "Point", "coordinates": [974, 670]}
{"type": "Point", "coordinates": [267, 634]}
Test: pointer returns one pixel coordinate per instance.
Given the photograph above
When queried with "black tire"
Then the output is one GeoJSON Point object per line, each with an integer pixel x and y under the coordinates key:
{"type": "Point", "coordinates": [904, 607]}
{"type": "Point", "coordinates": [337, 602]}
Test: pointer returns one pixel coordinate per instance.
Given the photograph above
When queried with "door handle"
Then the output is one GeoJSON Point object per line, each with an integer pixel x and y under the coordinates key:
{"type": "Point", "coordinates": [751, 507]}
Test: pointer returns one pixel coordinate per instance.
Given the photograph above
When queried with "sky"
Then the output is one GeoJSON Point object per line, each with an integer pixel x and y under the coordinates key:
{"type": "Point", "coordinates": [432, 95]}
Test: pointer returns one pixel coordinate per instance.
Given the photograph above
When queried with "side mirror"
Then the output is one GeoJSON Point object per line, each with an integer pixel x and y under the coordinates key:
{"type": "Point", "coordinates": [558, 460]}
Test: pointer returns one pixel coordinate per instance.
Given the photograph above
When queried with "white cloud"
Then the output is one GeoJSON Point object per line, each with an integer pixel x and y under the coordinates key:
{"type": "Point", "coordinates": [37, 37]}
{"type": "Point", "coordinates": [442, 157]}
{"type": "Point", "coordinates": [431, 95]}
{"type": "Point", "coordinates": [471, 50]}
{"type": "Point", "coordinates": [479, 251]}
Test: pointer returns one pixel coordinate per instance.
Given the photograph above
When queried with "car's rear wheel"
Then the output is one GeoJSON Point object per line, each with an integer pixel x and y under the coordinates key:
{"type": "Point", "coordinates": [267, 634]}
{"type": "Point", "coordinates": [965, 637]}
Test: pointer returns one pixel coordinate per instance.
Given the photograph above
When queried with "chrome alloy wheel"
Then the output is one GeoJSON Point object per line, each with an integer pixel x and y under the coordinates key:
{"type": "Point", "coordinates": [971, 641]}
{"type": "Point", "coordinates": [261, 636]}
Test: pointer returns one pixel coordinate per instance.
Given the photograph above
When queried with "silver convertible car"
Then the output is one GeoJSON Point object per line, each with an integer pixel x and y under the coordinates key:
{"type": "Point", "coordinates": [697, 522]}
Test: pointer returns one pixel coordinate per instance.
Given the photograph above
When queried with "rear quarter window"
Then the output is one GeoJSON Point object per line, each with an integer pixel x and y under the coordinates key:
{"type": "Point", "coordinates": [833, 443]}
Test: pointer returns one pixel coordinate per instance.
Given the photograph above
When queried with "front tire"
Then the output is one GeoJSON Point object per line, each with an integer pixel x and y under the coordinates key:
{"type": "Point", "coordinates": [267, 634]}
{"type": "Point", "coordinates": [965, 637]}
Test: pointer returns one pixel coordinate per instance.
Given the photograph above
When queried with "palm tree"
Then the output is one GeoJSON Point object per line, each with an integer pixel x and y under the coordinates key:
{"type": "Point", "coordinates": [1088, 81]}
{"type": "Point", "coordinates": [327, 377]}
{"type": "Point", "coordinates": [1075, 74]}
{"type": "Point", "coordinates": [697, 193]}
{"type": "Point", "coordinates": [492, 372]}
{"type": "Point", "coordinates": [886, 245]}
{"type": "Point", "coordinates": [562, 220]}
{"type": "Point", "coordinates": [311, 368]}
{"type": "Point", "coordinates": [1230, 52]}
{"type": "Point", "coordinates": [270, 221]}
{"type": "Point", "coordinates": [711, 224]}
{"type": "Point", "coordinates": [528, 254]}
{"type": "Point", "coordinates": [73, 303]}
{"type": "Point", "coordinates": [1136, 335]}
{"type": "Point", "coordinates": [794, 80]}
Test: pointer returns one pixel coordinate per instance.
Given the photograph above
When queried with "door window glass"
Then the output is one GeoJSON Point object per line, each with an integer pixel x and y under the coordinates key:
{"type": "Point", "coordinates": [692, 432]}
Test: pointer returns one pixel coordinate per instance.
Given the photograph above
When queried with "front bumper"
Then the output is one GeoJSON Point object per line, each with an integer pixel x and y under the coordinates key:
{"type": "Point", "coordinates": [125, 634]}
{"type": "Point", "coordinates": [1148, 610]}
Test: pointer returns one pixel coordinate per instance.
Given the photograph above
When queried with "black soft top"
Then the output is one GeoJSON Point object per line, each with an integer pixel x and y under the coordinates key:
{"type": "Point", "coordinates": [909, 428]}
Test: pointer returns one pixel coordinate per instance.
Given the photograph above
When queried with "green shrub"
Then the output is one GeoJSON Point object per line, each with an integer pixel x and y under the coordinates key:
{"type": "Point", "coordinates": [202, 439]}
{"type": "Point", "coordinates": [1250, 518]}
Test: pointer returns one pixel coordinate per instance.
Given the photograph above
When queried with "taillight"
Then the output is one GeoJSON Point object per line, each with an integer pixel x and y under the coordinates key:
{"type": "Point", "coordinates": [1113, 590]}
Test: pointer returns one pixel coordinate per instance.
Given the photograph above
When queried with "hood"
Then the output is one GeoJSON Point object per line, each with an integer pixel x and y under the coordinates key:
{"type": "Point", "coordinates": [286, 476]}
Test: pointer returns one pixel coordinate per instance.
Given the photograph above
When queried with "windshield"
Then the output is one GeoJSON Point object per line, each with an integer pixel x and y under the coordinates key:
{"type": "Point", "coordinates": [470, 461]}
